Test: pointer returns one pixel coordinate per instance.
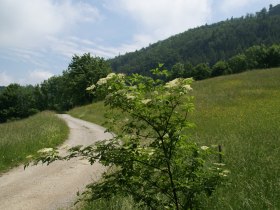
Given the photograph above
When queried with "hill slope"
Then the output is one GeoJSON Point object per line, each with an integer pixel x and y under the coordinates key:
{"type": "Point", "coordinates": [208, 43]}
{"type": "Point", "coordinates": [241, 113]}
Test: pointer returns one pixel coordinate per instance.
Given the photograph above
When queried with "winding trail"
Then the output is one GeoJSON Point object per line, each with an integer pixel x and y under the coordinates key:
{"type": "Point", "coordinates": [55, 186]}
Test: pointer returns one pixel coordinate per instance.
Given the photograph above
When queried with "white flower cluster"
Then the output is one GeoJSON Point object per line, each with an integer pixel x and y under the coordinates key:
{"type": "Point", "coordinates": [204, 148]}
{"type": "Point", "coordinates": [129, 96]}
{"type": "Point", "coordinates": [29, 157]}
{"type": "Point", "coordinates": [103, 81]}
{"type": "Point", "coordinates": [224, 173]}
{"type": "Point", "coordinates": [173, 83]}
{"type": "Point", "coordinates": [111, 75]}
{"type": "Point", "coordinates": [187, 87]}
{"type": "Point", "coordinates": [180, 82]}
{"type": "Point", "coordinates": [146, 101]}
{"type": "Point", "coordinates": [92, 87]}
{"type": "Point", "coordinates": [45, 150]}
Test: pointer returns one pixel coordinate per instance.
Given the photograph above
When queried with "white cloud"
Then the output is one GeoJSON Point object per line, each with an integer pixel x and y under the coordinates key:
{"type": "Point", "coordinates": [28, 23]}
{"type": "Point", "coordinates": [74, 45]}
{"type": "Point", "coordinates": [227, 6]}
{"type": "Point", "coordinates": [33, 77]}
{"type": "Point", "coordinates": [159, 19]}
{"type": "Point", "coordinates": [230, 7]}
{"type": "Point", "coordinates": [163, 18]}
{"type": "Point", "coordinates": [139, 41]}
{"type": "Point", "coordinates": [37, 76]}
{"type": "Point", "coordinates": [5, 79]}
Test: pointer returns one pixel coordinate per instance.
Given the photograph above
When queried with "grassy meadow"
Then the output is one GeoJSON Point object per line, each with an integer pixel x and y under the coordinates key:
{"type": "Point", "coordinates": [92, 112]}
{"type": "Point", "coordinates": [242, 113]}
{"type": "Point", "coordinates": [21, 138]}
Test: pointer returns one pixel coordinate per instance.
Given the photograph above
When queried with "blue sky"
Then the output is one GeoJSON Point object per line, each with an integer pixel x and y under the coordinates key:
{"type": "Point", "coordinates": [39, 37]}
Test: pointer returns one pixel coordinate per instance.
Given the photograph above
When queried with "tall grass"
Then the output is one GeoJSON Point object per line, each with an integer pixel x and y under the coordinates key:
{"type": "Point", "coordinates": [92, 112]}
{"type": "Point", "coordinates": [242, 113]}
{"type": "Point", "coordinates": [21, 138]}
{"type": "Point", "coordinates": [115, 203]}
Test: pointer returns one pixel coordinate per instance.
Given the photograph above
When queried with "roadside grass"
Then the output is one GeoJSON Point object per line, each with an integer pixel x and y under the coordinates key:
{"type": "Point", "coordinates": [95, 113]}
{"type": "Point", "coordinates": [115, 203]}
{"type": "Point", "coordinates": [19, 139]}
{"type": "Point", "coordinates": [242, 113]}
{"type": "Point", "coordinates": [92, 112]}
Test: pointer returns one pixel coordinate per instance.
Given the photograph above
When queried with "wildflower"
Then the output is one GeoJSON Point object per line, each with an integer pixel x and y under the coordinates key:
{"type": "Point", "coordinates": [187, 87]}
{"type": "Point", "coordinates": [166, 135]}
{"type": "Point", "coordinates": [219, 164]}
{"type": "Point", "coordinates": [102, 81]}
{"type": "Point", "coordinates": [128, 96]}
{"type": "Point", "coordinates": [172, 83]}
{"type": "Point", "coordinates": [204, 148]}
{"type": "Point", "coordinates": [92, 87]}
{"type": "Point", "coordinates": [45, 150]}
{"type": "Point", "coordinates": [226, 171]}
{"type": "Point", "coordinates": [146, 101]}
{"type": "Point", "coordinates": [121, 75]}
{"type": "Point", "coordinates": [111, 75]}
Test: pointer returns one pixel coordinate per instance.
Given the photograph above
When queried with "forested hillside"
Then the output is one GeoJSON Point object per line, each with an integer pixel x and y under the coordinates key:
{"type": "Point", "coordinates": [1, 88]}
{"type": "Point", "coordinates": [206, 44]}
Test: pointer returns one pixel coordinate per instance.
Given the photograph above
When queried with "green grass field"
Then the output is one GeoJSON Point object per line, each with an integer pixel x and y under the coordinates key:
{"type": "Point", "coordinates": [242, 113]}
{"type": "Point", "coordinates": [24, 137]}
{"type": "Point", "coordinates": [92, 112]}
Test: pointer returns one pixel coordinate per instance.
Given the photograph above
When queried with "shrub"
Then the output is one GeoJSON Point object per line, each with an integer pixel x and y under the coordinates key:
{"type": "Point", "coordinates": [152, 160]}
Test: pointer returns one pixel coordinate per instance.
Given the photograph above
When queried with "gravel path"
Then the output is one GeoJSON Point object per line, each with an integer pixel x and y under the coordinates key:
{"type": "Point", "coordinates": [54, 186]}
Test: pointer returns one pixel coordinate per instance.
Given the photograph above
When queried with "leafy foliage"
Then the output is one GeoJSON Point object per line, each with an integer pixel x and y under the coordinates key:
{"type": "Point", "coordinates": [17, 102]}
{"type": "Point", "coordinates": [69, 90]}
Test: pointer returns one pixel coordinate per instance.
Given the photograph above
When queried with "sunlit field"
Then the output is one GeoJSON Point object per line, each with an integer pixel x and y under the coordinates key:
{"type": "Point", "coordinates": [242, 113]}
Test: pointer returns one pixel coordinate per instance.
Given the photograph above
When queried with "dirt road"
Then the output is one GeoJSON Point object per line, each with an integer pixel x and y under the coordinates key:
{"type": "Point", "coordinates": [54, 186]}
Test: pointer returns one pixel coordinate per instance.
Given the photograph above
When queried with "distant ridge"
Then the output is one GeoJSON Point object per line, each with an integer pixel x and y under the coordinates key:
{"type": "Point", "coordinates": [208, 43]}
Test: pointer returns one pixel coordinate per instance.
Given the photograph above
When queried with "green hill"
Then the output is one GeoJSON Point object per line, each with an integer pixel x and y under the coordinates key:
{"type": "Point", "coordinates": [208, 43]}
{"type": "Point", "coordinates": [241, 113]}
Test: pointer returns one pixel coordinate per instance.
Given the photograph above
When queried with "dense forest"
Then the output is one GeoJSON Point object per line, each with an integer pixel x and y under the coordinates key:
{"type": "Point", "coordinates": [2, 88]}
{"type": "Point", "coordinates": [205, 44]}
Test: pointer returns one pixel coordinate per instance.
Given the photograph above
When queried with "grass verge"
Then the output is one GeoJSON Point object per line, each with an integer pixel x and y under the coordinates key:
{"type": "Point", "coordinates": [21, 138]}
{"type": "Point", "coordinates": [242, 113]}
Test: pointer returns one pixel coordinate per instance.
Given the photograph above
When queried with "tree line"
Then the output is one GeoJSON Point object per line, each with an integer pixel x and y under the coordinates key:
{"type": "Point", "coordinates": [205, 44]}
{"type": "Point", "coordinates": [255, 57]}
{"type": "Point", "coordinates": [59, 93]}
